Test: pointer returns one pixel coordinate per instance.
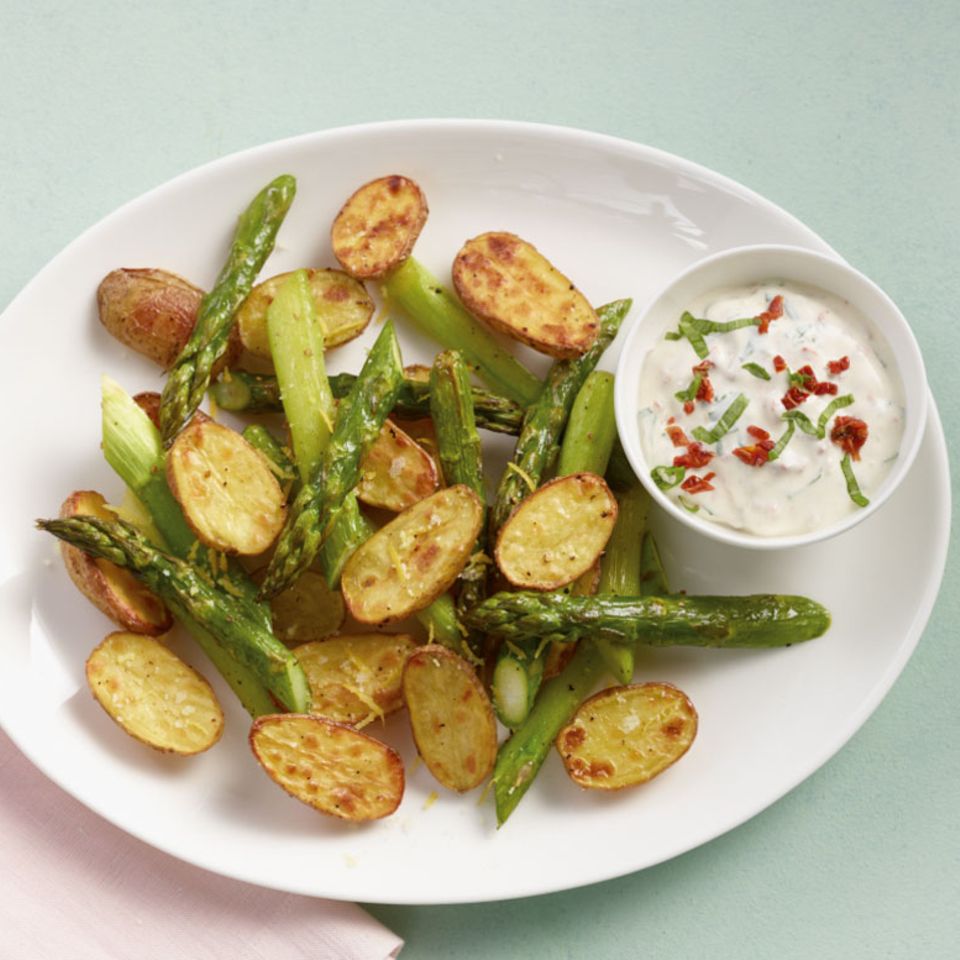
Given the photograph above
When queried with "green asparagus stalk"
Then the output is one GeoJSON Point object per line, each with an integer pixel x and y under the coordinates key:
{"type": "Point", "coordinates": [253, 241]}
{"type": "Point", "coordinates": [321, 500]}
{"type": "Point", "coordinates": [587, 443]}
{"type": "Point", "coordinates": [438, 314]}
{"type": "Point", "coordinates": [231, 620]}
{"type": "Point", "coordinates": [461, 457]}
{"type": "Point", "coordinates": [761, 620]}
{"type": "Point", "coordinates": [243, 392]}
{"type": "Point", "coordinates": [546, 419]}
{"type": "Point", "coordinates": [622, 573]}
{"type": "Point", "coordinates": [296, 345]}
{"type": "Point", "coordinates": [260, 438]}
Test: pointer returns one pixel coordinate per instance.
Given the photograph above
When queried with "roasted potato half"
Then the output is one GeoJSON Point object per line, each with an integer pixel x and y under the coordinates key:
{"type": "Point", "coordinates": [558, 533]}
{"type": "Point", "coordinates": [115, 592]}
{"type": "Point", "coordinates": [451, 716]}
{"type": "Point", "coordinates": [413, 559]}
{"type": "Point", "coordinates": [356, 678]}
{"type": "Point", "coordinates": [307, 611]}
{"type": "Point", "coordinates": [153, 695]}
{"type": "Point", "coordinates": [508, 283]}
{"type": "Point", "coordinates": [378, 226]}
{"type": "Point", "coordinates": [624, 736]}
{"type": "Point", "coordinates": [149, 402]}
{"type": "Point", "coordinates": [329, 766]}
{"type": "Point", "coordinates": [343, 307]}
{"type": "Point", "coordinates": [396, 472]}
{"type": "Point", "coordinates": [154, 312]}
{"type": "Point", "coordinates": [227, 491]}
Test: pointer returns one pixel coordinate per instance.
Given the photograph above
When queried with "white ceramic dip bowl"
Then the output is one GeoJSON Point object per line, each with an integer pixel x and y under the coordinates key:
{"type": "Point", "coordinates": [770, 265]}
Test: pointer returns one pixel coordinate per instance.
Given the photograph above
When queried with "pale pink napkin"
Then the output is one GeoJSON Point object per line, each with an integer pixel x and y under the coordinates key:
{"type": "Point", "coordinates": [74, 887]}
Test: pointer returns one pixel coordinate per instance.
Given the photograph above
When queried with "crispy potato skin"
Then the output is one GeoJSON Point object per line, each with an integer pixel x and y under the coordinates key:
{"type": "Point", "coordinates": [451, 716]}
{"type": "Point", "coordinates": [408, 563]}
{"type": "Point", "coordinates": [229, 495]}
{"type": "Point", "coordinates": [396, 472]}
{"type": "Point", "coordinates": [510, 285]}
{"type": "Point", "coordinates": [115, 592]}
{"type": "Point", "coordinates": [378, 226]}
{"type": "Point", "coordinates": [149, 402]}
{"type": "Point", "coordinates": [625, 736]}
{"type": "Point", "coordinates": [356, 677]}
{"type": "Point", "coordinates": [153, 312]}
{"type": "Point", "coordinates": [343, 306]}
{"type": "Point", "coordinates": [153, 695]}
{"type": "Point", "coordinates": [557, 533]}
{"type": "Point", "coordinates": [329, 766]}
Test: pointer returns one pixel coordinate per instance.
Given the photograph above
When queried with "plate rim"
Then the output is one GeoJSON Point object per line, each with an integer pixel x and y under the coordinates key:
{"type": "Point", "coordinates": [934, 427]}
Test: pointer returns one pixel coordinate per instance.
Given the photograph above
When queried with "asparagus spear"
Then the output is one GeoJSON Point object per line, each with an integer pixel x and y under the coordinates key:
{"type": "Point", "coordinates": [260, 438]}
{"type": "Point", "coordinates": [622, 573]}
{"type": "Point", "coordinates": [231, 620]}
{"type": "Point", "coordinates": [243, 392]}
{"type": "Point", "coordinates": [252, 243]}
{"type": "Point", "coordinates": [296, 345]}
{"type": "Point", "coordinates": [545, 419]}
{"type": "Point", "coordinates": [440, 316]}
{"type": "Point", "coordinates": [321, 500]}
{"type": "Point", "coordinates": [587, 443]}
{"type": "Point", "coordinates": [132, 446]}
{"type": "Point", "coordinates": [761, 620]}
{"type": "Point", "coordinates": [461, 457]}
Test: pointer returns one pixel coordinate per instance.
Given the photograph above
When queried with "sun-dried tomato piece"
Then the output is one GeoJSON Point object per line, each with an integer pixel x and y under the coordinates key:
{"type": "Point", "coordinates": [773, 312]}
{"type": "Point", "coordinates": [696, 456]}
{"type": "Point", "coordinates": [849, 434]}
{"type": "Point", "coordinates": [677, 437]}
{"type": "Point", "coordinates": [836, 367]}
{"type": "Point", "coordinates": [757, 454]}
{"type": "Point", "coordinates": [698, 484]}
{"type": "Point", "coordinates": [688, 407]}
{"type": "Point", "coordinates": [794, 397]}
{"type": "Point", "coordinates": [758, 432]}
{"type": "Point", "coordinates": [825, 387]}
{"type": "Point", "coordinates": [779, 364]}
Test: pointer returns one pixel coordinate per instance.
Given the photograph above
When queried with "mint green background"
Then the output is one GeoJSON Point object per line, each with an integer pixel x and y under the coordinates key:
{"type": "Point", "coordinates": [846, 114]}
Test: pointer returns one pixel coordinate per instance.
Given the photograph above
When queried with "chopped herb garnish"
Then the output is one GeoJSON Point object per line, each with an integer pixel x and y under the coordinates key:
{"type": "Point", "coordinates": [756, 370]}
{"type": "Point", "coordinates": [690, 394]}
{"type": "Point", "coordinates": [778, 447]}
{"type": "Point", "coordinates": [837, 403]}
{"type": "Point", "coordinates": [730, 416]}
{"type": "Point", "coordinates": [688, 504]}
{"type": "Point", "coordinates": [802, 421]}
{"type": "Point", "coordinates": [693, 330]}
{"type": "Point", "coordinates": [853, 488]}
{"type": "Point", "coordinates": [668, 477]}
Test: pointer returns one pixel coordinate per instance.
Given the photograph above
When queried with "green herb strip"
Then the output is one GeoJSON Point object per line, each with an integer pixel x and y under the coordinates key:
{"type": "Point", "coordinates": [690, 394]}
{"type": "Point", "coordinates": [688, 504]}
{"type": "Point", "coordinates": [730, 416]}
{"type": "Point", "coordinates": [838, 403]}
{"type": "Point", "coordinates": [802, 421]}
{"type": "Point", "coordinates": [666, 478]}
{"type": "Point", "coordinates": [756, 370]}
{"type": "Point", "coordinates": [779, 446]}
{"type": "Point", "coordinates": [853, 488]}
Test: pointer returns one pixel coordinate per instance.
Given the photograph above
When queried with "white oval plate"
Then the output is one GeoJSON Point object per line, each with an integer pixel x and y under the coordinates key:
{"type": "Point", "coordinates": [619, 218]}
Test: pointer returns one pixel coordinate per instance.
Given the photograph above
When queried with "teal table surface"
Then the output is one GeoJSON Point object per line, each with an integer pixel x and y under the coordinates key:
{"type": "Point", "coordinates": [846, 114]}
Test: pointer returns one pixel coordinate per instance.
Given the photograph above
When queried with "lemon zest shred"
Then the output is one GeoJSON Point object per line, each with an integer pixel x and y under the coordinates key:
{"type": "Point", "coordinates": [523, 475]}
{"type": "Point", "coordinates": [488, 786]}
{"type": "Point", "coordinates": [544, 643]}
{"type": "Point", "coordinates": [214, 409]}
{"type": "Point", "coordinates": [469, 655]}
{"type": "Point", "coordinates": [514, 649]}
{"type": "Point", "coordinates": [326, 419]}
{"type": "Point", "coordinates": [432, 798]}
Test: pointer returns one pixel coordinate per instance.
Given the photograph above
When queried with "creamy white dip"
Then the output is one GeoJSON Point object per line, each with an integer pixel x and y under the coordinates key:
{"type": "Point", "coordinates": [804, 489]}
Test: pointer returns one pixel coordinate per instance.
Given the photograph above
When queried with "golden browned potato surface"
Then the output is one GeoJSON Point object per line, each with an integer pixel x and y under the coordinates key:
{"type": "Point", "coordinates": [343, 306]}
{"type": "Point", "coordinates": [408, 563]}
{"type": "Point", "coordinates": [558, 533]}
{"type": "Point", "coordinates": [624, 736]}
{"type": "Point", "coordinates": [227, 491]}
{"type": "Point", "coordinates": [451, 716]}
{"type": "Point", "coordinates": [396, 471]}
{"type": "Point", "coordinates": [329, 766]}
{"type": "Point", "coordinates": [153, 695]}
{"type": "Point", "coordinates": [115, 592]}
{"type": "Point", "coordinates": [508, 283]}
{"type": "Point", "coordinates": [377, 227]}
{"type": "Point", "coordinates": [357, 677]}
